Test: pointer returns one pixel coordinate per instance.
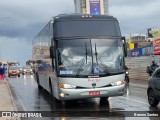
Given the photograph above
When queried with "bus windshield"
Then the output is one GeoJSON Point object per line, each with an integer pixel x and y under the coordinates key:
{"type": "Point", "coordinates": [84, 57]}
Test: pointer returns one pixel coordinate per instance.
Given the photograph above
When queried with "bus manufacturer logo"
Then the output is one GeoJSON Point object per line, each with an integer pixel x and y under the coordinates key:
{"type": "Point", "coordinates": [93, 79]}
{"type": "Point", "coordinates": [94, 85]}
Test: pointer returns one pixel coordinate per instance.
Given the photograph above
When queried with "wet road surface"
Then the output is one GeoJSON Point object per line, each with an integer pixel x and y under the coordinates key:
{"type": "Point", "coordinates": [28, 98]}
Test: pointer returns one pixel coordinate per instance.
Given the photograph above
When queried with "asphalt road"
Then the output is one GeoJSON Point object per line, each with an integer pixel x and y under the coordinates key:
{"type": "Point", "coordinates": [127, 107]}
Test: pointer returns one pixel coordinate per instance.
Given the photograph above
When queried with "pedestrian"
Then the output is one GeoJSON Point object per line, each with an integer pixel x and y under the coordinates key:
{"type": "Point", "coordinates": [5, 70]}
{"type": "Point", "coordinates": [1, 71]}
{"type": "Point", "coordinates": [152, 68]}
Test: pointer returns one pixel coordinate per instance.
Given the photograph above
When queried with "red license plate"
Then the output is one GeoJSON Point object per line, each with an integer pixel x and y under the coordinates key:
{"type": "Point", "coordinates": [94, 93]}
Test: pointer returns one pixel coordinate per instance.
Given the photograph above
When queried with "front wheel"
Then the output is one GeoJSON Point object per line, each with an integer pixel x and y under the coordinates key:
{"type": "Point", "coordinates": [152, 99]}
{"type": "Point", "coordinates": [51, 91]}
{"type": "Point", "coordinates": [103, 98]}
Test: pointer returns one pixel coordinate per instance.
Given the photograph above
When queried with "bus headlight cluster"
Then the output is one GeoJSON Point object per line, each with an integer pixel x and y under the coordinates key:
{"type": "Point", "coordinates": [67, 86]}
{"type": "Point", "coordinates": [121, 82]}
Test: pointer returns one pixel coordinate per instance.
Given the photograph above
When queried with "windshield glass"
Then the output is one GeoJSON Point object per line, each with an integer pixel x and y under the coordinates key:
{"type": "Point", "coordinates": [13, 68]}
{"type": "Point", "coordinates": [84, 57]}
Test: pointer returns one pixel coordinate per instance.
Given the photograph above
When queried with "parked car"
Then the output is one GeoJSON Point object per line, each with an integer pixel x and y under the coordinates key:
{"type": "Point", "coordinates": [13, 71]}
{"type": "Point", "coordinates": [27, 70]}
{"type": "Point", "coordinates": [153, 90]}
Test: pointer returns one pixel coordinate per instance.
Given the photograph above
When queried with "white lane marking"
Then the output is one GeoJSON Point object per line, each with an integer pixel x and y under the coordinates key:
{"type": "Point", "coordinates": [134, 100]}
{"type": "Point", "coordinates": [19, 99]}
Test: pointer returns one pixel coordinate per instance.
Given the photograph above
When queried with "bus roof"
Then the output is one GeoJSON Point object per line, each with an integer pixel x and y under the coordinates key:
{"type": "Point", "coordinates": [66, 17]}
{"type": "Point", "coordinates": [84, 25]}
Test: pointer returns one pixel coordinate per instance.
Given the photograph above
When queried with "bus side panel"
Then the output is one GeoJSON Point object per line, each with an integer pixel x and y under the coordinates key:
{"type": "Point", "coordinates": [41, 54]}
{"type": "Point", "coordinates": [55, 86]}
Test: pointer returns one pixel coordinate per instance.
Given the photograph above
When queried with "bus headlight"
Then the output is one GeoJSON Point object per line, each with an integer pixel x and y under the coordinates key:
{"type": "Point", "coordinates": [67, 86]}
{"type": "Point", "coordinates": [121, 82]}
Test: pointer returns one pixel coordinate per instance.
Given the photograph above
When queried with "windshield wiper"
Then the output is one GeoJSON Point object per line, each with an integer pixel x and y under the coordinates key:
{"type": "Point", "coordinates": [96, 54]}
{"type": "Point", "coordinates": [83, 61]}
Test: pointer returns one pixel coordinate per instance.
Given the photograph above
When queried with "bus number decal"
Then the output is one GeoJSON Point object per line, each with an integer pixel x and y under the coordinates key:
{"type": "Point", "coordinates": [67, 72]}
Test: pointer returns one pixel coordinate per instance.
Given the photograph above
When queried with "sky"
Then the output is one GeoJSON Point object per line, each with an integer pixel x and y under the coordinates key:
{"type": "Point", "coordinates": [21, 20]}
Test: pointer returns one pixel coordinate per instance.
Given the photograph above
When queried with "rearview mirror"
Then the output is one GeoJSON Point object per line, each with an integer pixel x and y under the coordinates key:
{"type": "Point", "coordinates": [124, 46]}
{"type": "Point", "coordinates": [52, 52]}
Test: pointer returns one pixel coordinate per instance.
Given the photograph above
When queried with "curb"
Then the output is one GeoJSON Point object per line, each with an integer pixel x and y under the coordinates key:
{"type": "Point", "coordinates": [13, 103]}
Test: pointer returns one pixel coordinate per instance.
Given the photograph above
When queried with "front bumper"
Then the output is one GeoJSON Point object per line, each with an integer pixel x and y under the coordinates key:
{"type": "Point", "coordinates": [13, 74]}
{"type": "Point", "coordinates": [27, 72]}
{"type": "Point", "coordinates": [72, 94]}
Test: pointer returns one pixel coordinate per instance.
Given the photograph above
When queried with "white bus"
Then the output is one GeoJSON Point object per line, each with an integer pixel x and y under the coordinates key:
{"type": "Point", "coordinates": [80, 56]}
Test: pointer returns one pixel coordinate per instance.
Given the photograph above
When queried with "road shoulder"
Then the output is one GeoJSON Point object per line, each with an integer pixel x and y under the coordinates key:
{"type": "Point", "coordinates": [6, 100]}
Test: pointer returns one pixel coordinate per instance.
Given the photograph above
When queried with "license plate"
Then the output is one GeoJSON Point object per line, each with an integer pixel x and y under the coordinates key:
{"type": "Point", "coordinates": [94, 93]}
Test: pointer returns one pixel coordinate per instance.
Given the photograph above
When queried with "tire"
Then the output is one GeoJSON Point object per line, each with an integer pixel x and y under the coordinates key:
{"type": "Point", "coordinates": [103, 98]}
{"type": "Point", "coordinates": [104, 101]}
{"type": "Point", "coordinates": [152, 99]}
{"type": "Point", "coordinates": [51, 93]}
{"type": "Point", "coordinates": [50, 87]}
{"type": "Point", "coordinates": [39, 86]}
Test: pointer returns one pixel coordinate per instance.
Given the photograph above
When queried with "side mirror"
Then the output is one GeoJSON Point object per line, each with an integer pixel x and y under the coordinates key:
{"type": "Point", "coordinates": [124, 46]}
{"type": "Point", "coordinates": [52, 52]}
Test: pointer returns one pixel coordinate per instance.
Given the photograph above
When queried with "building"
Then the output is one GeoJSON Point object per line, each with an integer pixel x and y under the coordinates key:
{"type": "Point", "coordinates": [156, 40]}
{"type": "Point", "coordinates": [138, 41]}
{"type": "Point", "coordinates": [91, 6]}
{"type": "Point", "coordinates": [138, 45]}
{"type": "Point", "coordinates": [138, 38]}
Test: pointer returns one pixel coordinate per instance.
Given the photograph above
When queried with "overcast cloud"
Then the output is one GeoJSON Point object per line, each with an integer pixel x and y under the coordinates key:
{"type": "Point", "coordinates": [21, 20]}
